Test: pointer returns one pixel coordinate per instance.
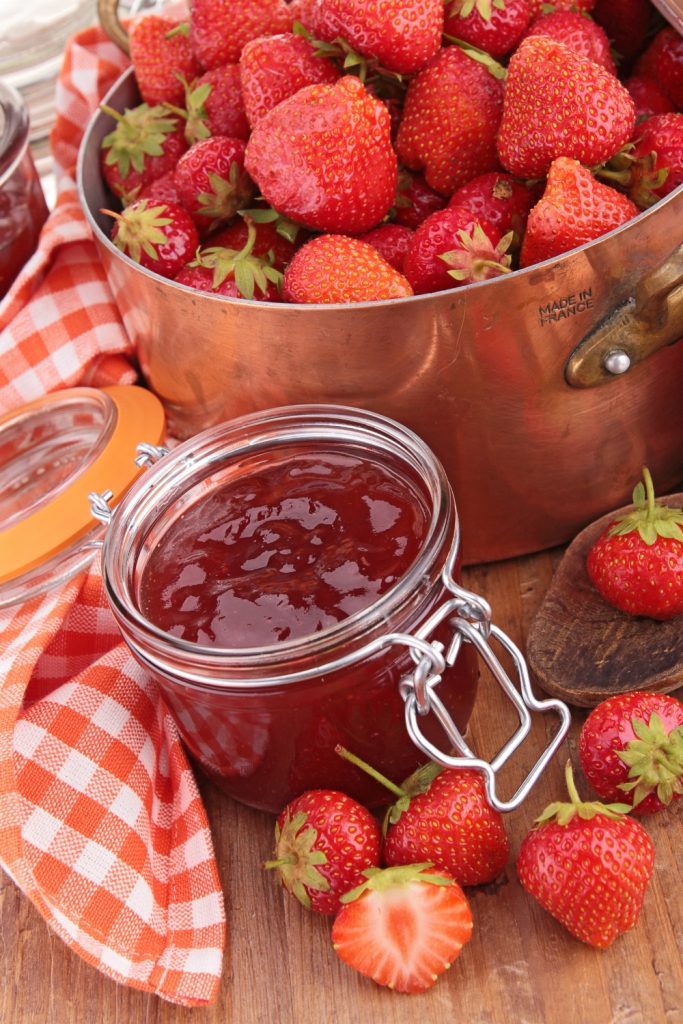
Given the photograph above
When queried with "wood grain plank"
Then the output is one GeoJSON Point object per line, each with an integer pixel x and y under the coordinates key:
{"type": "Point", "coordinates": [521, 967]}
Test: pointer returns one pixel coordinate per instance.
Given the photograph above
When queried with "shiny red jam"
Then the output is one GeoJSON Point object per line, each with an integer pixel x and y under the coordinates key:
{"type": "Point", "coordinates": [284, 552]}
{"type": "Point", "coordinates": [22, 204]}
{"type": "Point", "coordinates": [271, 573]}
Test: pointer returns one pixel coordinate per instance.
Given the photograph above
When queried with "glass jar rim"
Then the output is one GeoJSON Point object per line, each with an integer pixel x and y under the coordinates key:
{"type": "Point", "coordinates": [14, 130]}
{"type": "Point", "coordinates": [252, 434]}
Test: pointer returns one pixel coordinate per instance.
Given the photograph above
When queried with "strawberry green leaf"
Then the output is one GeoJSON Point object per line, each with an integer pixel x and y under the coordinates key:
{"type": "Point", "coordinates": [182, 29]}
{"type": "Point", "coordinates": [564, 812]}
{"type": "Point", "coordinates": [491, 65]}
{"type": "Point", "coordinates": [649, 519]}
{"type": "Point", "coordinates": [379, 879]}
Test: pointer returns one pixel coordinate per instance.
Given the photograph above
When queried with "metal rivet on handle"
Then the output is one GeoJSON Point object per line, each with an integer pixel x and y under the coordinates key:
{"type": "Point", "coordinates": [617, 361]}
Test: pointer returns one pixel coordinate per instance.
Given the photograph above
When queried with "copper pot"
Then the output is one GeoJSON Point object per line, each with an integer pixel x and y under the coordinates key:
{"type": "Point", "coordinates": [542, 392]}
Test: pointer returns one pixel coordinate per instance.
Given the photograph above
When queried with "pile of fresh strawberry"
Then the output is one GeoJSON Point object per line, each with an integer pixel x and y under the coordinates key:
{"type": "Point", "coordinates": [493, 135]}
{"type": "Point", "coordinates": [396, 892]}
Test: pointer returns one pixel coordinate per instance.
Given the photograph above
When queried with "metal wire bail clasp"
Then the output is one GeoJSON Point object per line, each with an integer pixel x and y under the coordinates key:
{"type": "Point", "coordinates": [470, 618]}
{"type": "Point", "coordinates": [147, 455]}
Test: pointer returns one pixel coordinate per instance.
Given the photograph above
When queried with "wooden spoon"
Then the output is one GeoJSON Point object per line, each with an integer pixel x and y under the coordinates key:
{"type": "Point", "coordinates": [583, 650]}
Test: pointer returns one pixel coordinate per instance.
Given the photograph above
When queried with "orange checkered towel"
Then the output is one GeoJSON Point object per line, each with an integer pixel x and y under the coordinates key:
{"type": "Point", "coordinates": [101, 823]}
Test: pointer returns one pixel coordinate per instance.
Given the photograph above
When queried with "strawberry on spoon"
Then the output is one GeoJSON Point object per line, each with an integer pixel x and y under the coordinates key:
{"type": "Point", "coordinates": [637, 563]}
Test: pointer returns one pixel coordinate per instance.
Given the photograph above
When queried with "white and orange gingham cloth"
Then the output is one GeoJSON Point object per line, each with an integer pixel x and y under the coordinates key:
{"type": "Point", "coordinates": [101, 822]}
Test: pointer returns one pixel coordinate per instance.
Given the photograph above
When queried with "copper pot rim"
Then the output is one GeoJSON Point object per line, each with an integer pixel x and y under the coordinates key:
{"type": "Point", "coordinates": [293, 309]}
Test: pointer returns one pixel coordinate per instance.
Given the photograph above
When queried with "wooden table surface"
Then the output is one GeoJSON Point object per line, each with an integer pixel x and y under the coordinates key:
{"type": "Point", "coordinates": [520, 967]}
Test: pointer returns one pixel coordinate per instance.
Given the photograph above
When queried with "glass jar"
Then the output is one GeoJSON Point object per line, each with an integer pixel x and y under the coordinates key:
{"type": "Point", "coordinates": [23, 209]}
{"type": "Point", "coordinates": [34, 34]}
{"type": "Point", "coordinates": [263, 722]}
{"type": "Point", "coordinates": [53, 452]}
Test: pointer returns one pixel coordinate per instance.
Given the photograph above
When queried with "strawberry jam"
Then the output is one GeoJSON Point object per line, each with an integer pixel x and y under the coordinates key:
{"type": "Point", "coordinates": [272, 573]}
{"type": "Point", "coordinates": [23, 210]}
{"type": "Point", "coordinates": [291, 549]}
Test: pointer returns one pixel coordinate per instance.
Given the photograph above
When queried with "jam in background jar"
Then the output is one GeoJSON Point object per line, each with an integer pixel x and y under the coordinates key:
{"type": "Point", "coordinates": [263, 571]}
{"type": "Point", "coordinates": [23, 210]}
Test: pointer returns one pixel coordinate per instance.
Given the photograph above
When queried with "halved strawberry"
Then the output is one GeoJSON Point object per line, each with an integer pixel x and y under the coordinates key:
{"type": "Point", "coordinates": [403, 927]}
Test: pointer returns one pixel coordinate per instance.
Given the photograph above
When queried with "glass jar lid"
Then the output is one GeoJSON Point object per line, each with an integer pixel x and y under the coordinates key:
{"type": "Point", "coordinates": [53, 453]}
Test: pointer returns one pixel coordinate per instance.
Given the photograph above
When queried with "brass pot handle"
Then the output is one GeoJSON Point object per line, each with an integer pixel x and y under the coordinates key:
{"type": "Point", "coordinates": [107, 12]}
{"type": "Point", "coordinates": [649, 320]}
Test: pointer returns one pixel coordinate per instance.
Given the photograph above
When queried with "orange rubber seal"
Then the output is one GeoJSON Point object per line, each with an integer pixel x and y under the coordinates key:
{"type": "Point", "coordinates": [62, 521]}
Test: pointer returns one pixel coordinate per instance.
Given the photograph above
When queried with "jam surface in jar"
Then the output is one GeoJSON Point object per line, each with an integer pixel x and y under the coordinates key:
{"type": "Point", "coordinates": [283, 551]}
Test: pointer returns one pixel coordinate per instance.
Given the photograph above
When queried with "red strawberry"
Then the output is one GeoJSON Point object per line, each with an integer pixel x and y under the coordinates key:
{"type": "Point", "coordinates": [631, 749]}
{"type": "Point", "coordinates": [663, 62]}
{"type": "Point", "coordinates": [273, 68]}
{"type": "Point", "coordinates": [647, 97]}
{"type": "Point", "coordinates": [401, 35]}
{"type": "Point", "coordinates": [214, 106]}
{"type": "Point", "coordinates": [492, 26]}
{"type": "Point", "coordinates": [589, 866]}
{"type": "Point", "coordinates": [579, 33]}
{"type": "Point", "coordinates": [584, 6]}
{"type": "Point", "coordinates": [575, 208]}
{"type": "Point", "coordinates": [498, 199]}
{"type": "Point", "coordinates": [452, 248]}
{"type": "Point", "coordinates": [145, 144]}
{"type": "Point", "coordinates": [241, 261]}
{"type": "Point", "coordinates": [219, 29]}
{"type": "Point", "coordinates": [212, 182]}
{"type": "Point", "coordinates": [450, 121]}
{"type": "Point", "coordinates": [657, 157]}
{"type": "Point", "coordinates": [637, 563]}
{"type": "Point", "coordinates": [445, 817]}
{"type": "Point", "coordinates": [162, 57]}
{"type": "Point", "coordinates": [324, 842]}
{"type": "Point", "coordinates": [311, 157]}
{"type": "Point", "coordinates": [403, 927]}
{"type": "Point", "coordinates": [558, 103]}
{"type": "Point", "coordinates": [268, 236]}
{"type": "Point", "coordinates": [160, 237]}
{"type": "Point", "coordinates": [415, 200]}
{"type": "Point", "coordinates": [626, 23]}
{"type": "Point", "coordinates": [391, 241]}
{"type": "Point", "coordinates": [162, 190]}
{"type": "Point", "coordinates": [302, 11]}
{"type": "Point", "coordinates": [335, 268]}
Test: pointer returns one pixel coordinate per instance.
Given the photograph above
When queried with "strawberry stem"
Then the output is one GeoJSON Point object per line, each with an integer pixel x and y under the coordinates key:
{"type": "Point", "coordinates": [649, 493]}
{"type": "Point", "coordinates": [268, 865]}
{"type": "Point", "coordinates": [571, 785]}
{"type": "Point", "coordinates": [369, 770]}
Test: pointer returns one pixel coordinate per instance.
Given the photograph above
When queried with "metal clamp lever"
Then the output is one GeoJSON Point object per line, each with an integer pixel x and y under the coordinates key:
{"type": "Point", "coordinates": [419, 694]}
